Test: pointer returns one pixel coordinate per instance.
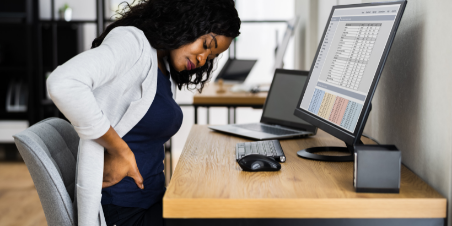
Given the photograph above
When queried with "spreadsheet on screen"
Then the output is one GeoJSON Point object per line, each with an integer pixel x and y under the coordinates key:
{"type": "Point", "coordinates": [346, 63]}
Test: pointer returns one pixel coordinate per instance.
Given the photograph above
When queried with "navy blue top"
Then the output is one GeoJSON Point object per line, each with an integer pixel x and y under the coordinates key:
{"type": "Point", "coordinates": [146, 139]}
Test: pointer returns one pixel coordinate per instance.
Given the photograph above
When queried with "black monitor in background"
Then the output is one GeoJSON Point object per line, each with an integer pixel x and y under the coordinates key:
{"type": "Point", "coordinates": [345, 72]}
{"type": "Point", "coordinates": [235, 70]}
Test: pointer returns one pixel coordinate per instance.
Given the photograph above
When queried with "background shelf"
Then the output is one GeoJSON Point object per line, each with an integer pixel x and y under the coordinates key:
{"type": "Point", "coordinates": [16, 17]}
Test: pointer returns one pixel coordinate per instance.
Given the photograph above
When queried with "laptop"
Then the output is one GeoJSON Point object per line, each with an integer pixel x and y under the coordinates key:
{"type": "Point", "coordinates": [235, 70]}
{"type": "Point", "coordinates": [277, 119]}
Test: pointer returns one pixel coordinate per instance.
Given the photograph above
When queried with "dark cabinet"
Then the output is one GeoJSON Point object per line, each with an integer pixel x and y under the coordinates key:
{"type": "Point", "coordinates": [17, 68]}
{"type": "Point", "coordinates": [31, 48]}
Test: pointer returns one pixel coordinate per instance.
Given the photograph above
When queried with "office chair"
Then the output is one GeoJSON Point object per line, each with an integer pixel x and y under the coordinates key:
{"type": "Point", "coordinates": [49, 149]}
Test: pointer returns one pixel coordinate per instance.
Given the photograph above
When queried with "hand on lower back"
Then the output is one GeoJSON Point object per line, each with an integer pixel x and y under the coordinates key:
{"type": "Point", "coordinates": [119, 160]}
{"type": "Point", "coordinates": [119, 165]}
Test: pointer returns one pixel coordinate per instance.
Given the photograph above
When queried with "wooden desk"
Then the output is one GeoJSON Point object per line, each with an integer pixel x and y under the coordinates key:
{"type": "Point", "coordinates": [209, 97]}
{"type": "Point", "coordinates": [209, 185]}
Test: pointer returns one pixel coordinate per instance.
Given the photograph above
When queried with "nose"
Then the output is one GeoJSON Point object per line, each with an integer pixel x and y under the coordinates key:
{"type": "Point", "coordinates": [202, 58]}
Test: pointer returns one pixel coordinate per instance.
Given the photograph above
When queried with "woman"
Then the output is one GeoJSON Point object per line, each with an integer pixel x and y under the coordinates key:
{"type": "Point", "coordinates": [119, 97]}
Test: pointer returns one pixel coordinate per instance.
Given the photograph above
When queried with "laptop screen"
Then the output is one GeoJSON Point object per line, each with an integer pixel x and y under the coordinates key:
{"type": "Point", "coordinates": [236, 70]}
{"type": "Point", "coordinates": [283, 97]}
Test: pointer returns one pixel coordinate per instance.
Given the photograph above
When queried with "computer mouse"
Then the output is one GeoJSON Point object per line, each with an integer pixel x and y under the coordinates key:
{"type": "Point", "coordinates": [255, 162]}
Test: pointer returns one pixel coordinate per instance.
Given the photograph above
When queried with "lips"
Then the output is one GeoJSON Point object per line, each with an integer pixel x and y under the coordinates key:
{"type": "Point", "coordinates": [190, 65]}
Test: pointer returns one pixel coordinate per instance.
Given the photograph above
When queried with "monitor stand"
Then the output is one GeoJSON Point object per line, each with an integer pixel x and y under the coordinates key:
{"type": "Point", "coordinates": [308, 153]}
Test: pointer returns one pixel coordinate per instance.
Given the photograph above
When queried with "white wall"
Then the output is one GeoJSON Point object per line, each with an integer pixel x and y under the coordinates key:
{"type": "Point", "coordinates": [412, 106]}
{"type": "Point", "coordinates": [306, 40]}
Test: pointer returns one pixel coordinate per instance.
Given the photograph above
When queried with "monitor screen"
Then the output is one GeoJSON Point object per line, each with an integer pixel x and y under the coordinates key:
{"type": "Point", "coordinates": [236, 70]}
{"type": "Point", "coordinates": [283, 96]}
{"type": "Point", "coordinates": [348, 62]}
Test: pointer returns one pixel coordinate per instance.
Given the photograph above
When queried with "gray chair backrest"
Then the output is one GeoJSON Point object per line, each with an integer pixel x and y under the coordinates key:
{"type": "Point", "coordinates": [49, 149]}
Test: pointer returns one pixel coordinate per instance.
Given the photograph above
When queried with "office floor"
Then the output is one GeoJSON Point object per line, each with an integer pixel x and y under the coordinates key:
{"type": "Point", "coordinates": [19, 200]}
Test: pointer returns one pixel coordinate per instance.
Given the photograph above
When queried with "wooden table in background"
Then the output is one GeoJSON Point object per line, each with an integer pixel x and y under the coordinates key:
{"type": "Point", "coordinates": [208, 187]}
{"type": "Point", "coordinates": [209, 97]}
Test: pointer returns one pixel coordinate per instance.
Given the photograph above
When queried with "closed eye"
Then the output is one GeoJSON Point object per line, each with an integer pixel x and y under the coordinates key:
{"type": "Point", "coordinates": [211, 57]}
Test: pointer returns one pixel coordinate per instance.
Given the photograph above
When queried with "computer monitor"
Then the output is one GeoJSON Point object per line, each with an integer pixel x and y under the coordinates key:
{"type": "Point", "coordinates": [346, 70]}
{"type": "Point", "coordinates": [235, 70]}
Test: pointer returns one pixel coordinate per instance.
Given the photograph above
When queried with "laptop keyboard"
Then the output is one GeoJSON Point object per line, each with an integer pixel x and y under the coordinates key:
{"type": "Point", "coordinates": [266, 129]}
{"type": "Point", "coordinates": [270, 148]}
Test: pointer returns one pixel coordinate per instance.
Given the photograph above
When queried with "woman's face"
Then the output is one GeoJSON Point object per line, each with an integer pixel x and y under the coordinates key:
{"type": "Point", "coordinates": [195, 55]}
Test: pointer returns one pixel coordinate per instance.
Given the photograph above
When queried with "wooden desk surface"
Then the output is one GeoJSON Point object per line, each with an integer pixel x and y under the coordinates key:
{"type": "Point", "coordinates": [210, 96]}
{"type": "Point", "coordinates": [208, 183]}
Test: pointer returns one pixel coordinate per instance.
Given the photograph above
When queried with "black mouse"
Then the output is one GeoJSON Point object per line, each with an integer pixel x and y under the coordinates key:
{"type": "Point", "coordinates": [255, 162]}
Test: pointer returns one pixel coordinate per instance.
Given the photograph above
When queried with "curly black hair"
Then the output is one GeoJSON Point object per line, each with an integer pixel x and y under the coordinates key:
{"type": "Point", "coordinates": [170, 24]}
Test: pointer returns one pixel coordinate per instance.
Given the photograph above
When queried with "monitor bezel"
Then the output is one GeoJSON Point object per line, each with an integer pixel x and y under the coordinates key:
{"type": "Point", "coordinates": [268, 120]}
{"type": "Point", "coordinates": [335, 130]}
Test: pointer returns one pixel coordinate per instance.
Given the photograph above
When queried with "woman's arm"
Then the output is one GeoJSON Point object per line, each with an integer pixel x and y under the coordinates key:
{"type": "Point", "coordinates": [71, 88]}
{"type": "Point", "coordinates": [71, 85]}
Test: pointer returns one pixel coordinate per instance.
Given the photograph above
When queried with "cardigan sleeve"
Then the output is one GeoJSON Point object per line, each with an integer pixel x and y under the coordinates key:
{"type": "Point", "coordinates": [71, 85]}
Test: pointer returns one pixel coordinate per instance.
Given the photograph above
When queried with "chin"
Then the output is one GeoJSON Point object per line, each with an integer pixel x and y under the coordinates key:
{"type": "Point", "coordinates": [175, 67]}
{"type": "Point", "coordinates": [180, 68]}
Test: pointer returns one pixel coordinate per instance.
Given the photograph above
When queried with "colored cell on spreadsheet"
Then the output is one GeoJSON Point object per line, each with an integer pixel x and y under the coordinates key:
{"type": "Point", "coordinates": [351, 115]}
{"type": "Point", "coordinates": [357, 112]}
{"type": "Point", "coordinates": [340, 105]}
{"type": "Point", "coordinates": [327, 105]}
{"type": "Point", "coordinates": [316, 100]}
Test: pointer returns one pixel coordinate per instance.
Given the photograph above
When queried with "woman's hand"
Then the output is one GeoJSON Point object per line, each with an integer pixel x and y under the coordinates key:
{"type": "Point", "coordinates": [119, 160]}
{"type": "Point", "coordinates": [119, 164]}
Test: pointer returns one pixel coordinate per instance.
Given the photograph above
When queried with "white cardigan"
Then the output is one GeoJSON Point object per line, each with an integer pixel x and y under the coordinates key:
{"type": "Point", "coordinates": [113, 84]}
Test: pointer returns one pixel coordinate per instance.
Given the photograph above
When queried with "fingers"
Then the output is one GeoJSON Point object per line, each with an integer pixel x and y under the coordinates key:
{"type": "Point", "coordinates": [109, 181]}
{"type": "Point", "coordinates": [138, 179]}
{"type": "Point", "coordinates": [116, 167]}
